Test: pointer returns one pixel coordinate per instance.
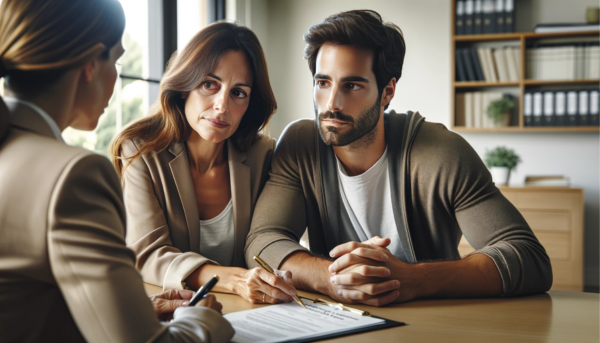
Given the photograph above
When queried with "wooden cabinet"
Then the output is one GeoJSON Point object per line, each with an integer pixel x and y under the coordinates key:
{"type": "Point", "coordinates": [556, 217]}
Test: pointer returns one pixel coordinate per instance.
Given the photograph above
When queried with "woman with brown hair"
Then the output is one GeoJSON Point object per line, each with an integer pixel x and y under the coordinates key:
{"type": "Point", "coordinates": [192, 171]}
{"type": "Point", "coordinates": [66, 274]}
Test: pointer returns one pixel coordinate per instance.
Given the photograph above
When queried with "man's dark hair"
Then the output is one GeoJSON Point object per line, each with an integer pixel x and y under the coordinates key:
{"type": "Point", "coordinates": [363, 29]}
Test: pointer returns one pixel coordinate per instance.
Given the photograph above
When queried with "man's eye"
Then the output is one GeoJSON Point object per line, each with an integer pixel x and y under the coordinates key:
{"type": "Point", "coordinates": [352, 86]}
{"type": "Point", "coordinates": [321, 83]}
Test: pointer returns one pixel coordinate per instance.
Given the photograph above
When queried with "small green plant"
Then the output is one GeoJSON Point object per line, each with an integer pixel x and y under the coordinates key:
{"type": "Point", "coordinates": [501, 157]}
{"type": "Point", "coordinates": [497, 109]}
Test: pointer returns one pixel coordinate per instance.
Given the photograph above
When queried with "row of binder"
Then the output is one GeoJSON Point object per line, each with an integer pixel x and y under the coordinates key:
{"type": "Point", "coordinates": [561, 108]}
{"type": "Point", "coordinates": [564, 62]}
{"type": "Point", "coordinates": [490, 65]}
{"type": "Point", "coordinates": [474, 17]}
{"type": "Point", "coordinates": [472, 106]}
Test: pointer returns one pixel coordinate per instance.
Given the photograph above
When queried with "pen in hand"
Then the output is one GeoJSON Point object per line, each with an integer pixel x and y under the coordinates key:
{"type": "Point", "coordinates": [204, 290]}
{"type": "Point", "coordinates": [270, 270]}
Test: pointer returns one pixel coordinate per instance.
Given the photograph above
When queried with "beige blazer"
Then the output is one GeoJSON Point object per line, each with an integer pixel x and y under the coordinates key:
{"type": "Point", "coordinates": [65, 272]}
{"type": "Point", "coordinates": [163, 226]}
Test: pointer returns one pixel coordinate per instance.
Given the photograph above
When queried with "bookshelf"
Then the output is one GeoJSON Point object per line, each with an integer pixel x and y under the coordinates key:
{"type": "Point", "coordinates": [521, 40]}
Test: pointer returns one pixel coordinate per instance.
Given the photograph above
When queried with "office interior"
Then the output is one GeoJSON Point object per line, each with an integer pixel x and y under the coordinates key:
{"type": "Point", "coordinates": [157, 28]}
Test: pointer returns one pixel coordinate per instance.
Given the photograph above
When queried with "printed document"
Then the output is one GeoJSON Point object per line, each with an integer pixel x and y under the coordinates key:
{"type": "Point", "coordinates": [289, 321]}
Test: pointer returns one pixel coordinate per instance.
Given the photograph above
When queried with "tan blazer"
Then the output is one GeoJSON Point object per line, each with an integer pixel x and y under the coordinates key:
{"type": "Point", "coordinates": [163, 226]}
{"type": "Point", "coordinates": [65, 272]}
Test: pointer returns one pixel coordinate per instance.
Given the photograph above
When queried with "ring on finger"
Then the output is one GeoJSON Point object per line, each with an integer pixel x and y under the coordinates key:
{"type": "Point", "coordinates": [264, 297]}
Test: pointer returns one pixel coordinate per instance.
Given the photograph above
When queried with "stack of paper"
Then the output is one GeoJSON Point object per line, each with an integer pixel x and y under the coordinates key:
{"type": "Point", "coordinates": [547, 181]}
{"type": "Point", "coordinates": [564, 62]}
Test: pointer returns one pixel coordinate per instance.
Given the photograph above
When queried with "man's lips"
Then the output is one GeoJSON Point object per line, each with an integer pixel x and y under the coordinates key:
{"type": "Point", "coordinates": [334, 122]}
{"type": "Point", "coordinates": [217, 123]}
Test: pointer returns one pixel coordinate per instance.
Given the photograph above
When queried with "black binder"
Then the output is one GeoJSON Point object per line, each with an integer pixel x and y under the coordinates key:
{"type": "Point", "coordinates": [528, 109]}
{"type": "Point", "coordinates": [477, 64]}
{"type": "Point", "coordinates": [499, 16]}
{"type": "Point", "coordinates": [487, 11]}
{"type": "Point", "coordinates": [477, 17]}
{"type": "Point", "coordinates": [560, 109]}
{"type": "Point", "coordinates": [509, 15]}
{"type": "Point", "coordinates": [583, 113]}
{"type": "Point", "coordinates": [549, 114]}
{"type": "Point", "coordinates": [460, 18]}
{"type": "Point", "coordinates": [572, 108]}
{"type": "Point", "coordinates": [468, 65]}
{"type": "Point", "coordinates": [469, 17]}
{"type": "Point", "coordinates": [538, 109]}
{"type": "Point", "coordinates": [461, 74]}
{"type": "Point", "coordinates": [594, 102]}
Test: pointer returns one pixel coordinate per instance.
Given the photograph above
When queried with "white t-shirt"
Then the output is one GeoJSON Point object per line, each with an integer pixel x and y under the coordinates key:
{"type": "Point", "coordinates": [368, 200]}
{"type": "Point", "coordinates": [217, 237]}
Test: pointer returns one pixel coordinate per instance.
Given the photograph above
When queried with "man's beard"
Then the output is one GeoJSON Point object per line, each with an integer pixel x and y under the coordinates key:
{"type": "Point", "coordinates": [361, 134]}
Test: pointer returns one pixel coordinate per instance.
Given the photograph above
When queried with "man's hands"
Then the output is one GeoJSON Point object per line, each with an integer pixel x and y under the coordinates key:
{"type": "Point", "coordinates": [368, 273]}
{"type": "Point", "coordinates": [258, 286]}
{"type": "Point", "coordinates": [167, 302]}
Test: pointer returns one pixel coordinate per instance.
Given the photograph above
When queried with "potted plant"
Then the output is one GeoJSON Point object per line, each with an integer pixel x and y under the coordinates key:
{"type": "Point", "coordinates": [499, 111]}
{"type": "Point", "coordinates": [501, 161]}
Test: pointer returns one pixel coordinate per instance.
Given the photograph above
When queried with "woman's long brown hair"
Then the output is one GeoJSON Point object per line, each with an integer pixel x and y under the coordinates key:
{"type": "Point", "coordinates": [41, 40]}
{"type": "Point", "coordinates": [167, 123]}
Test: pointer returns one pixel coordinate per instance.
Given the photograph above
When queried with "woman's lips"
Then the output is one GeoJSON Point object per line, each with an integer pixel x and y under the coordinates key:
{"type": "Point", "coordinates": [217, 123]}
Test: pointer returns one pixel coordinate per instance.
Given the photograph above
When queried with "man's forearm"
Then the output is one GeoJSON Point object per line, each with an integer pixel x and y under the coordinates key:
{"type": "Point", "coordinates": [474, 276]}
{"type": "Point", "coordinates": [308, 272]}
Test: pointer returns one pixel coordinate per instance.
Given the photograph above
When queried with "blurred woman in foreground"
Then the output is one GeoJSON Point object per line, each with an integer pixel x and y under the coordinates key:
{"type": "Point", "coordinates": [65, 272]}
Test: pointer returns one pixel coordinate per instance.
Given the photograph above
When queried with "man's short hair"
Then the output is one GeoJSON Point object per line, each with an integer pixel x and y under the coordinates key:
{"type": "Point", "coordinates": [363, 29]}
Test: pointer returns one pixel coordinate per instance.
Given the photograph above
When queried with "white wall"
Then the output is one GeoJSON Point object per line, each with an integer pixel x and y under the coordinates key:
{"type": "Point", "coordinates": [425, 86]}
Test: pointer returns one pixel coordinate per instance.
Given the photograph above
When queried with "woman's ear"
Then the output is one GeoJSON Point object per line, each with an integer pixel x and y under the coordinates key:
{"type": "Point", "coordinates": [88, 70]}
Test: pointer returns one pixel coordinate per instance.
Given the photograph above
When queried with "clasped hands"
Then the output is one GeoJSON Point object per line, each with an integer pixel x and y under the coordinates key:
{"type": "Point", "coordinates": [368, 273]}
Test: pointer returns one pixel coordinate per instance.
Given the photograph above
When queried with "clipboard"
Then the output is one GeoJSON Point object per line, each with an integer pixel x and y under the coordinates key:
{"type": "Point", "coordinates": [387, 323]}
{"type": "Point", "coordinates": [286, 322]}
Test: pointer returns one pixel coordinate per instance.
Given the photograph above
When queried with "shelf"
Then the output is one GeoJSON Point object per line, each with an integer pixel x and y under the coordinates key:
{"type": "Point", "coordinates": [528, 129]}
{"type": "Point", "coordinates": [519, 35]}
{"type": "Point", "coordinates": [523, 40]}
{"type": "Point", "coordinates": [476, 84]}
{"type": "Point", "coordinates": [560, 82]}
{"type": "Point", "coordinates": [471, 84]}
{"type": "Point", "coordinates": [488, 37]}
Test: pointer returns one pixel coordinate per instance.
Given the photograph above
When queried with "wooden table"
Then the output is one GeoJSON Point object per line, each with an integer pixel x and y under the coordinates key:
{"type": "Point", "coordinates": [556, 316]}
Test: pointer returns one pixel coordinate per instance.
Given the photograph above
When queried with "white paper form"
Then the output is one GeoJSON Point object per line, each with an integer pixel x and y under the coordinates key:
{"type": "Point", "coordinates": [289, 321]}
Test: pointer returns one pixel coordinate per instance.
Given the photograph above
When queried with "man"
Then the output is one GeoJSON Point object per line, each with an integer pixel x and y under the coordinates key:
{"type": "Point", "coordinates": [356, 174]}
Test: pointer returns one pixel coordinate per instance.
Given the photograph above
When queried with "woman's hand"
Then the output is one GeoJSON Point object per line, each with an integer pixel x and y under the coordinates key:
{"type": "Point", "coordinates": [166, 303]}
{"type": "Point", "coordinates": [258, 286]}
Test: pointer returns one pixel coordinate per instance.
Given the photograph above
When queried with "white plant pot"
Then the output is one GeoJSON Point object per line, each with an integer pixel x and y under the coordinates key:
{"type": "Point", "coordinates": [500, 175]}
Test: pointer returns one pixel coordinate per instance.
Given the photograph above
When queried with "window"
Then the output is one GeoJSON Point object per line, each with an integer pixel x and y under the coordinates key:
{"type": "Point", "coordinates": [154, 29]}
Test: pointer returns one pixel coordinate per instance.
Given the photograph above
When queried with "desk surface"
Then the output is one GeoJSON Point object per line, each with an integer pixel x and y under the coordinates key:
{"type": "Point", "coordinates": [557, 316]}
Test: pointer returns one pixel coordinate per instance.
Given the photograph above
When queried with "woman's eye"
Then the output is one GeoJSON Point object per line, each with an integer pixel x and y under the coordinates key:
{"type": "Point", "coordinates": [209, 84]}
{"type": "Point", "coordinates": [239, 93]}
